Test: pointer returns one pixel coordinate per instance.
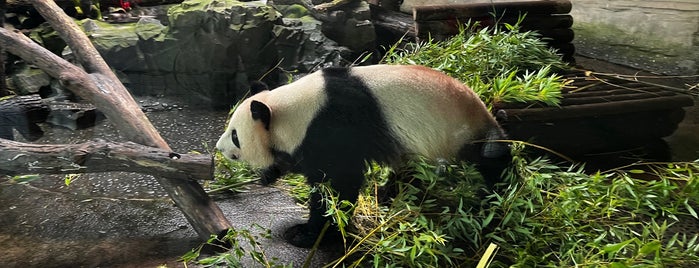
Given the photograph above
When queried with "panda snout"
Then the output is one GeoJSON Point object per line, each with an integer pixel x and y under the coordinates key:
{"type": "Point", "coordinates": [227, 154]}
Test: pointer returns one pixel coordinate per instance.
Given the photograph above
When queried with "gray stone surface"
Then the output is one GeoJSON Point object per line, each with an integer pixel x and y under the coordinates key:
{"type": "Point", "coordinates": [208, 51]}
{"type": "Point", "coordinates": [659, 36]}
{"type": "Point", "coordinates": [28, 80]}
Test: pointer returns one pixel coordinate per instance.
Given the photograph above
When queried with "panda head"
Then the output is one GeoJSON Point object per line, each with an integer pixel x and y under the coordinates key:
{"type": "Point", "coordinates": [247, 136]}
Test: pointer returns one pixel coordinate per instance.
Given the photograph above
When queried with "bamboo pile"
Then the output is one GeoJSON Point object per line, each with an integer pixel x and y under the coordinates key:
{"type": "Point", "coordinates": [549, 18]}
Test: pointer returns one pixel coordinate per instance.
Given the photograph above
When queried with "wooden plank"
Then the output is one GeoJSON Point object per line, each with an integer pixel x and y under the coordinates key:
{"type": "Point", "coordinates": [607, 98]}
{"type": "Point", "coordinates": [575, 137]}
{"type": "Point", "coordinates": [598, 109]}
{"type": "Point", "coordinates": [529, 22]}
{"type": "Point", "coordinates": [557, 35]}
{"type": "Point", "coordinates": [562, 48]}
{"type": "Point", "coordinates": [555, 28]}
{"type": "Point", "coordinates": [451, 27]}
{"type": "Point", "coordinates": [656, 92]}
{"type": "Point", "coordinates": [483, 9]}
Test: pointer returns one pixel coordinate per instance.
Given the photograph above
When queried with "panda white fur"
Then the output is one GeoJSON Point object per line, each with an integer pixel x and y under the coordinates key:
{"type": "Point", "coordinates": [328, 123]}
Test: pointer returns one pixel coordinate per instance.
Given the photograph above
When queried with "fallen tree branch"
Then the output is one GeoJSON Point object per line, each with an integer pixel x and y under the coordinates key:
{"type": "Point", "coordinates": [99, 85]}
{"type": "Point", "coordinates": [101, 156]}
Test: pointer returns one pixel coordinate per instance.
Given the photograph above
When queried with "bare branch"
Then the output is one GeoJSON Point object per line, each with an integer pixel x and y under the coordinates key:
{"type": "Point", "coordinates": [101, 156]}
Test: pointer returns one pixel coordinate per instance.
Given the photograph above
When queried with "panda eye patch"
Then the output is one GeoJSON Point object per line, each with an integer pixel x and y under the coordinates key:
{"type": "Point", "coordinates": [234, 138]}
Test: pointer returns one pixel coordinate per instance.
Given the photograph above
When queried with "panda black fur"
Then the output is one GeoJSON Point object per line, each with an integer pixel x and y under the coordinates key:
{"type": "Point", "coordinates": [327, 124]}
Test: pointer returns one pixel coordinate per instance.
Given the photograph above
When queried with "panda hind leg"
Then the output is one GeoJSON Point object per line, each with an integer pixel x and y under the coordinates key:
{"type": "Point", "coordinates": [496, 156]}
{"type": "Point", "coordinates": [491, 157]}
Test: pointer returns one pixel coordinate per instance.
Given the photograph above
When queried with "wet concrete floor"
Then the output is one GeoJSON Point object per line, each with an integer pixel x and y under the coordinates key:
{"type": "Point", "coordinates": [121, 219]}
{"type": "Point", "coordinates": [126, 220]}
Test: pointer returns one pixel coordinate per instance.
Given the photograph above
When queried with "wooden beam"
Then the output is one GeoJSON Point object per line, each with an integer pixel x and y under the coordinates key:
{"type": "Point", "coordinates": [553, 26]}
{"type": "Point", "coordinates": [483, 9]}
{"type": "Point", "coordinates": [101, 156]}
{"type": "Point", "coordinates": [598, 109]}
{"type": "Point", "coordinates": [396, 22]}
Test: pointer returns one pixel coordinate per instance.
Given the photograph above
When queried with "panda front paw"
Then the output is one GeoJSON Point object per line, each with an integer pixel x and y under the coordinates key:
{"type": "Point", "coordinates": [270, 175]}
{"type": "Point", "coordinates": [301, 236]}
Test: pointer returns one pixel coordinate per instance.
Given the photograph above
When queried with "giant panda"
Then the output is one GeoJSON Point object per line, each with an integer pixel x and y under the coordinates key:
{"type": "Point", "coordinates": [327, 124]}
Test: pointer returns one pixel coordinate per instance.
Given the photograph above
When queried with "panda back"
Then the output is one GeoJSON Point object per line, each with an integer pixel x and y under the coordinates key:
{"type": "Point", "coordinates": [351, 125]}
{"type": "Point", "coordinates": [430, 113]}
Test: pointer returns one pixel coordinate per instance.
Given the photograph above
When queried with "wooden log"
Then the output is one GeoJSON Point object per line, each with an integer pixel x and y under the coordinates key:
{"type": "Point", "coordinates": [598, 109]}
{"type": "Point", "coordinates": [22, 113]}
{"type": "Point", "coordinates": [619, 91]}
{"type": "Point", "coordinates": [530, 21]}
{"type": "Point", "coordinates": [451, 27]}
{"type": "Point", "coordinates": [561, 48]}
{"type": "Point", "coordinates": [105, 91]}
{"type": "Point", "coordinates": [613, 98]}
{"type": "Point", "coordinates": [483, 9]}
{"type": "Point", "coordinates": [396, 22]}
{"type": "Point", "coordinates": [101, 156]}
{"type": "Point", "coordinates": [557, 35]}
{"type": "Point", "coordinates": [575, 137]}
{"type": "Point", "coordinates": [392, 5]}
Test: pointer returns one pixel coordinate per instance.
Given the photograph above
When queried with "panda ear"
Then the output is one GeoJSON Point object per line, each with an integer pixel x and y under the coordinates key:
{"type": "Point", "coordinates": [261, 111]}
{"type": "Point", "coordinates": [257, 87]}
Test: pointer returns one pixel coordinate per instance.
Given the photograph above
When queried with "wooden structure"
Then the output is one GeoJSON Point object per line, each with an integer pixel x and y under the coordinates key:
{"type": "Point", "coordinates": [601, 114]}
{"type": "Point", "coordinates": [549, 18]}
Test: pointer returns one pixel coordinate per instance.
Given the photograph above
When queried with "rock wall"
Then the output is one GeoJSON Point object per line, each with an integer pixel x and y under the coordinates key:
{"type": "Point", "coordinates": [205, 51]}
{"type": "Point", "coordinates": [660, 36]}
